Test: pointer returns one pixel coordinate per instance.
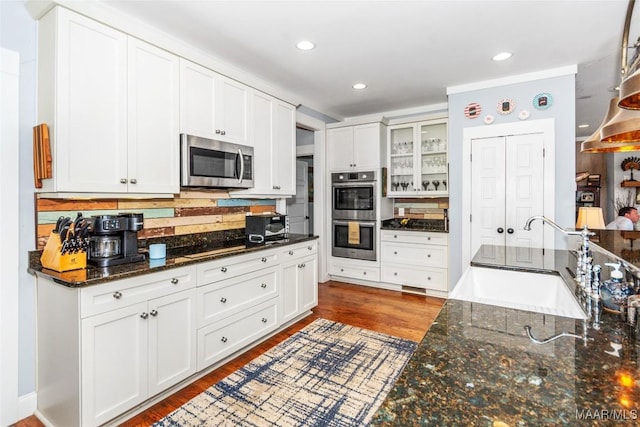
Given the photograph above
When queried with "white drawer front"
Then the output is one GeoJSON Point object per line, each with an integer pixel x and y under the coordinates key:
{"type": "Point", "coordinates": [221, 339]}
{"type": "Point", "coordinates": [356, 272]}
{"type": "Point", "coordinates": [233, 266]}
{"type": "Point", "coordinates": [417, 277]}
{"type": "Point", "coordinates": [121, 293]}
{"type": "Point", "coordinates": [222, 299]}
{"type": "Point", "coordinates": [420, 237]}
{"type": "Point", "coordinates": [421, 255]}
{"type": "Point", "coordinates": [300, 250]}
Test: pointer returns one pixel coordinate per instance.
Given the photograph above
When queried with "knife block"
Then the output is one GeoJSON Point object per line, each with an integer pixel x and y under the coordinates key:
{"type": "Point", "coordinates": [53, 259]}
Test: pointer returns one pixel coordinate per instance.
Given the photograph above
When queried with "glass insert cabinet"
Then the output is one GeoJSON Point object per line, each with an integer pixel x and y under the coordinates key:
{"type": "Point", "coordinates": [418, 162]}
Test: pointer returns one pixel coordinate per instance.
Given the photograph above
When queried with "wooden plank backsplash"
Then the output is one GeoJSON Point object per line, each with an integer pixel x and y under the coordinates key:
{"type": "Point", "coordinates": [190, 212]}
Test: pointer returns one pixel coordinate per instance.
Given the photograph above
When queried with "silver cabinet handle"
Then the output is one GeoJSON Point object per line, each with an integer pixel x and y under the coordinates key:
{"type": "Point", "coordinates": [218, 131]}
{"type": "Point", "coordinates": [174, 281]}
{"type": "Point", "coordinates": [223, 300]}
{"type": "Point", "coordinates": [223, 269]}
{"type": "Point", "coordinates": [264, 320]}
{"type": "Point", "coordinates": [290, 252]}
{"type": "Point", "coordinates": [154, 313]}
{"type": "Point", "coordinates": [123, 180]}
{"type": "Point", "coordinates": [428, 255]}
{"type": "Point", "coordinates": [395, 252]}
{"type": "Point", "coordinates": [304, 265]}
{"type": "Point", "coordinates": [117, 294]}
{"type": "Point", "coordinates": [395, 273]}
{"type": "Point", "coordinates": [144, 315]}
{"type": "Point", "coordinates": [223, 132]}
{"type": "Point", "coordinates": [428, 238]}
{"type": "Point", "coordinates": [263, 286]}
{"type": "Point", "coordinates": [310, 248]}
{"type": "Point", "coordinates": [342, 269]}
{"type": "Point", "coordinates": [428, 277]}
{"type": "Point", "coordinates": [395, 236]}
{"type": "Point", "coordinates": [264, 259]}
{"type": "Point", "coordinates": [133, 181]}
{"type": "Point", "coordinates": [223, 339]}
{"type": "Point", "coordinates": [365, 273]}
{"type": "Point", "coordinates": [299, 265]}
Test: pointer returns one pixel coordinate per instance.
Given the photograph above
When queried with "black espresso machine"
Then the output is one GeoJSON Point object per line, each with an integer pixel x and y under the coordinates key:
{"type": "Point", "coordinates": [114, 239]}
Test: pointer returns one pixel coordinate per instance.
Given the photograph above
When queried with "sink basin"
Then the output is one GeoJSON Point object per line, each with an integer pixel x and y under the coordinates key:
{"type": "Point", "coordinates": [540, 293]}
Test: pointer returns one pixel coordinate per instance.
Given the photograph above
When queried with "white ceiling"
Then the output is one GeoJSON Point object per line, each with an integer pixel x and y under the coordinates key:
{"type": "Point", "coordinates": [407, 52]}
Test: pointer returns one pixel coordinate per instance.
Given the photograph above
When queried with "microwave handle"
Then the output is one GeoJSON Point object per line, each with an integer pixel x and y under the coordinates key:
{"type": "Point", "coordinates": [241, 165]}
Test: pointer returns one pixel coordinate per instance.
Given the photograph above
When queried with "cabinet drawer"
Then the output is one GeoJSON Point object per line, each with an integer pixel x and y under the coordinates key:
{"type": "Point", "coordinates": [222, 299]}
{"type": "Point", "coordinates": [420, 237]}
{"type": "Point", "coordinates": [110, 296]}
{"type": "Point", "coordinates": [426, 278]}
{"type": "Point", "coordinates": [233, 266]}
{"type": "Point", "coordinates": [297, 251]}
{"type": "Point", "coordinates": [221, 339]}
{"type": "Point", "coordinates": [421, 255]}
{"type": "Point", "coordinates": [356, 272]}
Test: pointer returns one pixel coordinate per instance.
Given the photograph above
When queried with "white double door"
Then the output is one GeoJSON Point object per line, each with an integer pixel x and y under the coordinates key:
{"type": "Point", "coordinates": [507, 187]}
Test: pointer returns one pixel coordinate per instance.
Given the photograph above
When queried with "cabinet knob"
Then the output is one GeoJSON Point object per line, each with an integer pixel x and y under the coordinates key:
{"type": "Point", "coordinates": [299, 265]}
{"type": "Point", "coordinates": [144, 315]}
{"type": "Point", "coordinates": [395, 273]}
{"type": "Point", "coordinates": [218, 131]}
{"type": "Point", "coordinates": [174, 281]}
{"type": "Point", "coordinates": [428, 277]}
{"type": "Point", "coordinates": [223, 132]}
{"type": "Point", "coordinates": [264, 259]}
{"type": "Point", "coordinates": [223, 339]}
{"type": "Point", "coordinates": [117, 294]}
{"type": "Point", "coordinates": [223, 269]}
{"type": "Point", "coordinates": [365, 273]}
{"type": "Point", "coordinates": [310, 248]}
{"type": "Point", "coordinates": [264, 320]}
{"type": "Point", "coordinates": [154, 313]}
{"type": "Point", "coordinates": [223, 300]}
{"type": "Point", "coordinates": [275, 187]}
{"type": "Point", "coordinates": [395, 236]}
{"type": "Point", "coordinates": [428, 255]}
{"type": "Point", "coordinates": [341, 270]}
{"type": "Point", "coordinates": [133, 181]}
{"type": "Point", "coordinates": [510, 230]}
{"type": "Point", "coordinates": [395, 252]}
{"type": "Point", "coordinates": [290, 252]}
{"type": "Point", "coordinates": [123, 180]}
{"type": "Point", "coordinates": [428, 238]}
{"type": "Point", "coordinates": [263, 285]}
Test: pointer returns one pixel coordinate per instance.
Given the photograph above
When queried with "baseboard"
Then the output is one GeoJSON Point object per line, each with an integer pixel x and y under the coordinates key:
{"type": "Point", "coordinates": [27, 405]}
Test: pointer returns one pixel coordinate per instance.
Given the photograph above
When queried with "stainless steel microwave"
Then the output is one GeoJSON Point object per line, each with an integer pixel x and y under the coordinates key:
{"type": "Point", "coordinates": [215, 164]}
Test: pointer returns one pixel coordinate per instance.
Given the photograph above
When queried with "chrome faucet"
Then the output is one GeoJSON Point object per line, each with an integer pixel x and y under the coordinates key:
{"type": "Point", "coordinates": [585, 261]}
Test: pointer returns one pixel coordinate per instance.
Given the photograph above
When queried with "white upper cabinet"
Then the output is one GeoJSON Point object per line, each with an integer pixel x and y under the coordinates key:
{"type": "Point", "coordinates": [274, 140]}
{"type": "Point", "coordinates": [212, 105]}
{"type": "Point", "coordinates": [112, 106]}
{"type": "Point", "coordinates": [357, 147]}
{"type": "Point", "coordinates": [418, 162]}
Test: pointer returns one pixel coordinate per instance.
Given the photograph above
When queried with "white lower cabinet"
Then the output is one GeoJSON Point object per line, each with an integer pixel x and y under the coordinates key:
{"type": "Point", "coordinates": [355, 269]}
{"type": "Point", "coordinates": [104, 349]}
{"type": "Point", "coordinates": [135, 352]}
{"type": "Point", "coordinates": [299, 291]}
{"type": "Point", "coordinates": [415, 259]}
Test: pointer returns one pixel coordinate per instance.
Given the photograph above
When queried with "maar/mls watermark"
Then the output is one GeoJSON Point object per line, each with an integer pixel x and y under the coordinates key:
{"type": "Point", "coordinates": [607, 414]}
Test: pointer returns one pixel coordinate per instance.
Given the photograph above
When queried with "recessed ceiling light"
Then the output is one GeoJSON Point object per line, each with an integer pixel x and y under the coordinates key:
{"type": "Point", "coordinates": [359, 86]}
{"type": "Point", "coordinates": [583, 126]}
{"type": "Point", "coordinates": [502, 56]}
{"type": "Point", "coordinates": [305, 45]}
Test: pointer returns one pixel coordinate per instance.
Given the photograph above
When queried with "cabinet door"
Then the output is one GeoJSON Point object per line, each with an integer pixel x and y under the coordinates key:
{"type": "Point", "coordinates": [172, 339]}
{"type": "Point", "coordinates": [197, 100]}
{"type": "Point", "coordinates": [308, 283]}
{"type": "Point", "coordinates": [401, 141]}
{"type": "Point", "coordinates": [90, 133]}
{"type": "Point", "coordinates": [114, 363]}
{"type": "Point", "coordinates": [232, 111]}
{"type": "Point", "coordinates": [153, 160]}
{"type": "Point", "coordinates": [290, 292]}
{"type": "Point", "coordinates": [340, 148]}
{"type": "Point", "coordinates": [283, 158]}
{"type": "Point", "coordinates": [431, 160]}
{"type": "Point", "coordinates": [366, 147]}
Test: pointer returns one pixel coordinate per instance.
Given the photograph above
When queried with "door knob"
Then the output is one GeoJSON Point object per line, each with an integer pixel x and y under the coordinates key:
{"type": "Point", "coordinates": [510, 230]}
{"type": "Point", "coordinates": [500, 230]}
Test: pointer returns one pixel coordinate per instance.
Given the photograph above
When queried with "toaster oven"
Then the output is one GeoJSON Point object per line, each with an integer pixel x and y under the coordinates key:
{"type": "Point", "coordinates": [264, 228]}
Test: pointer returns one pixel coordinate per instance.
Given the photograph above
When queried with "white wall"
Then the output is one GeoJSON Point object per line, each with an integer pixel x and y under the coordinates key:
{"type": "Point", "coordinates": [562, 89]}
{"type": "Point", "coordinates": [18, 33]}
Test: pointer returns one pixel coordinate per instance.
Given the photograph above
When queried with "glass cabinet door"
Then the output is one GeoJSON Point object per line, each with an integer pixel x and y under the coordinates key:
{"type": "Point", "coordinates": [433, 159]}
{"type": "Point", "coordinates": [401, 159]}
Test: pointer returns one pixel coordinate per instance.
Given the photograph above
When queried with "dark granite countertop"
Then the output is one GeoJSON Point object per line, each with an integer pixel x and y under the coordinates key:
{"type": "Point", "coordinates": [476, 366]}
{"type": "Point", "coordinates": [412, 224]}
{"type": "Point", "coordinates": [176, 257]}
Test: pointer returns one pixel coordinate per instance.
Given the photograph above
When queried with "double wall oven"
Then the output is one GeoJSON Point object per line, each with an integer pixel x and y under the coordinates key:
{"type": "Point", "coordinates": [353, 208]}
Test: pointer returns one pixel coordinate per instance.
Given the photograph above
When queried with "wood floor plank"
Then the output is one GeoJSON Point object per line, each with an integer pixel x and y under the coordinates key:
{"type": "Point", "coordinates": [395, 313]}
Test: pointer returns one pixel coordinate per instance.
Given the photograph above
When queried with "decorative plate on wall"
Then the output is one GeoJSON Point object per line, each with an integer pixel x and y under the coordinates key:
{"type": "Point", "coordinates": [542, 101]}
{"type": "Point", "coordinates": [472, 110]}
{"type": "Point", "coordinates": [506, 106]}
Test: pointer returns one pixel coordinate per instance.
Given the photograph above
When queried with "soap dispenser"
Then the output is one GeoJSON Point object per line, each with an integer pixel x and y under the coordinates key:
{"type": "Point", "coordinates": [615, 290]}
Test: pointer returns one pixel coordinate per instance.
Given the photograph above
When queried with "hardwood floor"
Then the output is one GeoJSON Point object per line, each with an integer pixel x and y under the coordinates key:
{"type": "Point", "coordinates": [404, 315]}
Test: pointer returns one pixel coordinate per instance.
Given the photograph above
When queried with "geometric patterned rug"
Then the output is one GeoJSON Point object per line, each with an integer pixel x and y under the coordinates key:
{"type": "Point", "coordinates": [327, 374]}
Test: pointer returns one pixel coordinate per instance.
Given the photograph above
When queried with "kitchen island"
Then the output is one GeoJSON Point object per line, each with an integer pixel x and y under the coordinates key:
{"type": "Point", "coordinates": [476, 365]}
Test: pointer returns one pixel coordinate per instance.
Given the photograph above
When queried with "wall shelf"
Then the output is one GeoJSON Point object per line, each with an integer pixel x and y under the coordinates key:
{"type": "Point", "coordinates": [630, 184]}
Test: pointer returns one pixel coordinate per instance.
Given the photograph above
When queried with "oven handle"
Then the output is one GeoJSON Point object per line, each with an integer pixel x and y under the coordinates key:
{"type": "Point", "coordinates": [353, 184]}
{"type": "Point", "coordinates": [362, 223]}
